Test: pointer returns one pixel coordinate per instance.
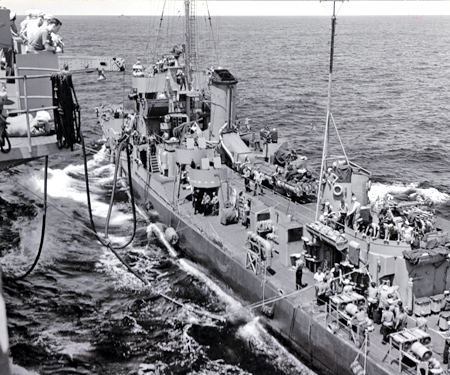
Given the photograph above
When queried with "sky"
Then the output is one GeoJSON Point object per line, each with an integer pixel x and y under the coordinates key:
{"type": "Point", "coordinates": [233, 7]}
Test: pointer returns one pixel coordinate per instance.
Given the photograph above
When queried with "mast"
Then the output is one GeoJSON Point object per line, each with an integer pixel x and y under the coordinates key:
{"type": "Point", "coordinates": [190, 41]}
{"type": "Point", "coordinates": [325, 152]}
{"type": "Point", "coordinates": [187, 57]}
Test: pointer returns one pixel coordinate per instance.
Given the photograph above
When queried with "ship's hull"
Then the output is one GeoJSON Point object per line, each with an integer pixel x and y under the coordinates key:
{"type": "Point", "coordinates": [301, 327]}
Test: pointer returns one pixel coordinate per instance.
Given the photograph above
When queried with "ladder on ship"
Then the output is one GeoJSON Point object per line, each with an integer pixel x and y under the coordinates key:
{"type": "Point", "coordinates": [154, 165]}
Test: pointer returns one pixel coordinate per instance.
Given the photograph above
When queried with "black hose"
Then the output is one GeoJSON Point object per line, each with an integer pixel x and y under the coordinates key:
{"type": "Point", "coordinates": [44, 219]}
{"type": "Point", "coordinates": [104, 241]}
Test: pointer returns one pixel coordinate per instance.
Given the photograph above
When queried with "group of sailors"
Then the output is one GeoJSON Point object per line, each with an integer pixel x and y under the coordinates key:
{"type": "Point", "coordinates": [384, 305]}
{"type": "Point", "coordinates": [392, 222]}
{"type": "Point", "coordinates": [206, 203]}
{"type": "Point", "coordinates": [39, 32]}
{"type": "Point", "coordinates": [386, 308]}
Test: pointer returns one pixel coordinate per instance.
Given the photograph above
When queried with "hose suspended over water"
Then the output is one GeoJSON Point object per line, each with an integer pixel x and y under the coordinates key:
{"type": "Point", "coordinates": [44, 219]}
{"type": "Point", "coordinates": [104, 241]}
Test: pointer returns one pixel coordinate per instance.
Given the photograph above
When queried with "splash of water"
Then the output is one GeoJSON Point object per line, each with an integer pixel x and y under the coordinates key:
{"type": "Point", "coordinates": [379, 190]}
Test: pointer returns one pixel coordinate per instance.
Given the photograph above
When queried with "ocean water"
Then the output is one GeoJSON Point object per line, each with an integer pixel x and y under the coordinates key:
{"type": "Point", "coordinates": [80, 312]}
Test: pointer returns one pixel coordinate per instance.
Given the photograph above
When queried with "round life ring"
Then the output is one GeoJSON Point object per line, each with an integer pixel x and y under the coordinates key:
{"type": "Point", "coordinates": [337, 189]}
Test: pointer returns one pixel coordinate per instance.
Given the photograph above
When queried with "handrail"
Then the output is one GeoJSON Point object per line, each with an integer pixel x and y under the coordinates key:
{"type": "Point", "coordinates": [31, 77]}
{"type": "Point", "coordinates": [14, 112]}
{"type": "Point", "coordinates": [25, 97]}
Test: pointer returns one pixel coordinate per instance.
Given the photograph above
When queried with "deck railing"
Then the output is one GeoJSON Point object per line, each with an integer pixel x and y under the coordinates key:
{"type": "Point", "coordinates": [26, 97]}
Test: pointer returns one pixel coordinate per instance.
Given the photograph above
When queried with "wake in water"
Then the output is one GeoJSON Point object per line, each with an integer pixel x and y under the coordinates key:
{"type": "Point", "coordinates": [82, 312]}
{"type": "Point", "coordinates": [407, 192]}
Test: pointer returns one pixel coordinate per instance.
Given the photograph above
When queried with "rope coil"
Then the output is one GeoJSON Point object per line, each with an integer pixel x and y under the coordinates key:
{"type": "Point", "coordinates": [67, 113]}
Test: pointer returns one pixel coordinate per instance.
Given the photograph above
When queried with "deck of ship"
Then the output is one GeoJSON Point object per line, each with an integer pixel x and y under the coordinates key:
{"type": "Point", "coordinates": [233, 239]}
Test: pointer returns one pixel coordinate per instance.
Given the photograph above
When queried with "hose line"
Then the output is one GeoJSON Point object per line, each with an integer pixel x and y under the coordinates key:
{"type": "Point", "coordinates": [104, 241]}
{"type": "Point", "coordinates": [44, 220]}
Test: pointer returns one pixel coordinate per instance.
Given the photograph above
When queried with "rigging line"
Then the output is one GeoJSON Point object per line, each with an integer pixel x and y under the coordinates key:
{"type": "Point", "coordinates": [44, 219]}
{"type": "Point", "coordinates": [342, 4]}
{"type": "Point", "coordinates": [339, 137]}
{"type": "Point", "coordinates": [158, 34]}
{"type": "Point", "coordinates": [213, 37]}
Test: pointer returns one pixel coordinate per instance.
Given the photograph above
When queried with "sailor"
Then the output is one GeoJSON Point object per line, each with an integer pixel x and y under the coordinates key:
{"type": "Point", "coordinates": [181, 79]}
{"type": "Point", "coordinates": [205, 203]}
{"type": "Point", "coordinates": [446, 350]}
{"type": "Point", "coordinates": [247, 206]}
{"type": "Point", "coordinates": [387, 324]}
{"type": "Point", "coordinates": [8, 52]}
{"type": "Point", "coordinates": [24, 23]}
{"type": "Point", "coordinates": [328, 212]}
{"type": "Point", "coordinates": [247, 179]}
{"type": "Point", "coordinates": [214, 204]}
{"type": "Point", "coordinates": [239, 205]}
{"type": "Point", "coordinates": [383, 297]}
{"type": "Point", "coordinates": [353, 215]}
{"type": "Point", "coordinates": [336, 274]}
{"type": "Point", "coordinates": [56, 39]}
{"type": "Point", "coordinates": [258, 176]}
{"type": "Point", "coordinates": [372, 298]}
{"type": "Point", "coordinates": [373, 230]}
{"type": "Point", "coordinates": [41, 40]}
{"type": "Point", "coordinates": [348, 288]}
{"type": "Point", "coordinates": [299, 265]}
{"type": "Point", "coordinates": [152, 143]}
{"type": "Point", "coordinates": [401, 317]}
{"type": "Point", "coordinates": [406, 232]}
{"type": "Point", "coordinates": [360, 319]}
{"type": "Point", "coordinates": [342, 213]}
{"type": "Point", "coordinates": [319, 276]}
{"type": "Point", "coordinates": [324, 290]}
{"type": "Point", "coordinates": [196, 200]}
{"type": "Point", "coordinates": [247, 124]}
{"type": "Point", "coordinates": [33, 25]}
{"type": "Point", "coordinates": [422, 322]}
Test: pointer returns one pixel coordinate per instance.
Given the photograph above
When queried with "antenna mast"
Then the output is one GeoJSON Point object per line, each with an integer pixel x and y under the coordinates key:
{"type": "Point", "coordinates": [325, 152]}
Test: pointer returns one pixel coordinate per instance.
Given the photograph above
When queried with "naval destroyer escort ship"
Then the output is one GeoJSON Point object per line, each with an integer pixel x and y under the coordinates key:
{"type": "Point", "coordinates": [248, 217]}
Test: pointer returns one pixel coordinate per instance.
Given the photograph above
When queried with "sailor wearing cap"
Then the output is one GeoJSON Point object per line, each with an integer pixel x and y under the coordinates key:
{"type": "Point", "coordinates": [24, 23]}
{"type": "Point", "coordinates": [33, 25]}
